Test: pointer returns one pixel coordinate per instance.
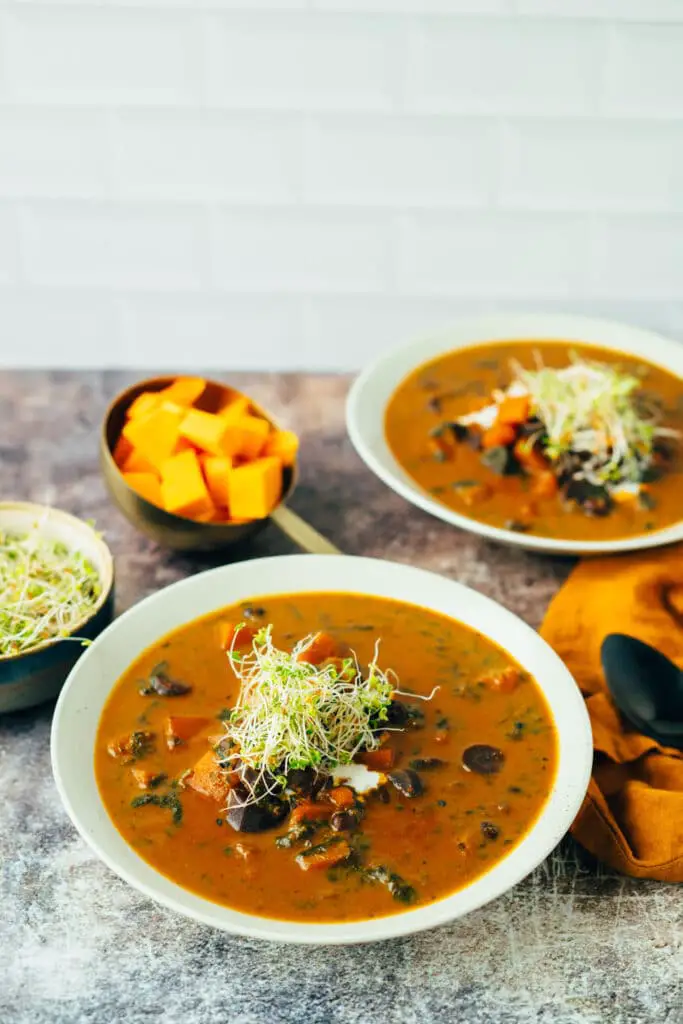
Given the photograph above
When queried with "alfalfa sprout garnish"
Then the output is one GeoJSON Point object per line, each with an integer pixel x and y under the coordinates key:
{"type": "Point", "coordinates": [46, 590]}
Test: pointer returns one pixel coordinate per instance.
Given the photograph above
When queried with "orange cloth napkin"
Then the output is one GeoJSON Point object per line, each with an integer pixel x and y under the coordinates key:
{"type": "Point", "coordinates": [632, 817]}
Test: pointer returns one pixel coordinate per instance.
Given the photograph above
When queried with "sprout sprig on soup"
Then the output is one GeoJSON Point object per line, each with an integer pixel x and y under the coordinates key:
{"type": "Point", "coordinates": [304, 710]}
{"type": "Point", "coordinates": [543, 438]}
{"type": "Point", "coordinates": [342, 757]}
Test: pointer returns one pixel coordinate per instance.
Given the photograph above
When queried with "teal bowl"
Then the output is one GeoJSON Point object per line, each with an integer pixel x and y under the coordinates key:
{"type": "Point", "coordinates": [37, 675]}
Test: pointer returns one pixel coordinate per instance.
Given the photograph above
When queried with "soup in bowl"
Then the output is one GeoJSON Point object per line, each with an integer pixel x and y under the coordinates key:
{"type": "Point", "coordinates": [502, 428]}
{"type": "Point", "coordinates": [559, 439]}
{"type": "Point", "coordinates": [321, 748]}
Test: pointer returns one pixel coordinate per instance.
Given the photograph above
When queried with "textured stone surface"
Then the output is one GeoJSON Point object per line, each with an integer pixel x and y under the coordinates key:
{"type": "Point", "coordinates": [570, 945]}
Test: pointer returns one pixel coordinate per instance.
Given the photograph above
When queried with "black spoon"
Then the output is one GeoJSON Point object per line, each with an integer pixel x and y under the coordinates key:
{"type": "Point", "coordinates": [646, 687]}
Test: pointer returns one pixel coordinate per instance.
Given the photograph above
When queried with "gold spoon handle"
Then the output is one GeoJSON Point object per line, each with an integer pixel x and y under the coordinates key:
{"type": "Point", "coordinates": [298, 530]}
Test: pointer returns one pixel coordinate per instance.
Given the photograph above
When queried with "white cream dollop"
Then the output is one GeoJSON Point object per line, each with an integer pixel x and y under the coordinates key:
{"type": "Point", "coordinates": [358, 777]}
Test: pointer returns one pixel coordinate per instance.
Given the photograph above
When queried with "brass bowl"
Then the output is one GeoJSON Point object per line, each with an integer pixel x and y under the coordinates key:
{"type": "Point", "coordinates": [177, 532]}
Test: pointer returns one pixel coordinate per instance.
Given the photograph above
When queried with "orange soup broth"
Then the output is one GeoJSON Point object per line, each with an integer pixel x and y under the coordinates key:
{"type": "Point", "coordinates": [463, 381]}
{"type": "Point", "coordinates": [433, 841]}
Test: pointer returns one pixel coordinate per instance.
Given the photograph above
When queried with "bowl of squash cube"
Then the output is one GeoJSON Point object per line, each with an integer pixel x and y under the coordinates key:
{"type": "Point", "coordinates": [193, 463]}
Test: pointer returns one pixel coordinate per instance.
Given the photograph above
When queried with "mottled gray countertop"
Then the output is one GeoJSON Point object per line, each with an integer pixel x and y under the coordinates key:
{"type": "Point", "coordinates": [571, 945]}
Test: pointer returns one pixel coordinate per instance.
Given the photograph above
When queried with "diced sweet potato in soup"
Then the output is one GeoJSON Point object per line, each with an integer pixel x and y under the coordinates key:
{"type": "Point", "coordinates": [179, 729]}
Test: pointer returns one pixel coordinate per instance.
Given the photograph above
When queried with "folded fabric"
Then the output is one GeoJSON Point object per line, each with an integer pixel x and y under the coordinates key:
{"type": "Point", "coordinates": [632, 817]}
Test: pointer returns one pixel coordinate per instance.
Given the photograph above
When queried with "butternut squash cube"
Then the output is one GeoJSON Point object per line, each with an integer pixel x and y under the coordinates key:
{"type": "Point", "coordinates": [229, 632]}
{"type": "Point", "coordinates": [155, 435]}
{"type": "Point", "coordinates": [216, 470]}
{"type": "Point", "coordinates": [209, 778]}
{"type": "Point", "coordinates": [137, 463]}
{"type": "Point", "coordinates": [217, 515]}
{"type": "Point", "coordinates": [235, 408]}
{"type": "Point", "coordinates": [181, 728]}
{"type": "Point", "coordinates": [145, 403]}
{"type": "Point", "coordinates": [254, 432]}
{"type": "Point", "coordinates": [210, 433]}
{"type": "Point", "coordinates": [122, 450]}
{"type": "Point", "coordinates": [183, 490]}
{"type": "Point", "coordinates": [184, 445]}
{"type": "Point", "coordinates": [254, 489]}
{"type": "Point", "coordinates": [146, 485]}
{"type": "Point", "coordinates": [284, 444]}
{"type": "Point", "coordinates": [320, 648]}
{"type": "Point", "coordinates": [185, 390]}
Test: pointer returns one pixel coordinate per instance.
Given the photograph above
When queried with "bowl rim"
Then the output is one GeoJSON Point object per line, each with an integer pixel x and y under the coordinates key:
{"type": "Point", "coordinates": [106, 575]}
{"type": "Point", "coordinates": [370, 392]}
{"type": "Point", "coordinates": [158, 383]}
{"type": "Point", "coordinates": [81, 703]}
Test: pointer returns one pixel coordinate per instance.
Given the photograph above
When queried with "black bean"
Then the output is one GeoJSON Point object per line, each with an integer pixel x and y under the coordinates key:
{"type": "Point", "coordinates": [517, 526]}
{"type": "Point", "coordinates": [651, 474]}
{"type": "Point", "coordinates": [592, 499]}
{"type": "Point", "coordinates": [397, 714]}
{"type": "Point", "coordinates": [344, 821]}
{"type": "Point", "coordinates": [489, 830]}
{"type": "Point", "coordinates": [160, 683]}
{"type": "Point", "coordinates": [251, 612]}
{"type": "Point", "coordinates": [425, 764]}
{"type": "Point", "coordinates": [407, 782]}
{"type": "Point", "coordinates": [483, 759]}
{"type": "Point", "coordinates": [596, 507]}
{"type": "Point", "coordinates": [531, 427]}
{"type": "Point", "coordinates": [459, 431]}
{"type": "Point", "coordinates": [303, 781]}
{"type": "Point", "coordinates": [415, 716]}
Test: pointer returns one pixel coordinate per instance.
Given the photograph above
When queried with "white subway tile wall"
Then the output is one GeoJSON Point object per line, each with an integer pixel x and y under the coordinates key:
{"type": "Point", "coordinates": [287, 184]}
